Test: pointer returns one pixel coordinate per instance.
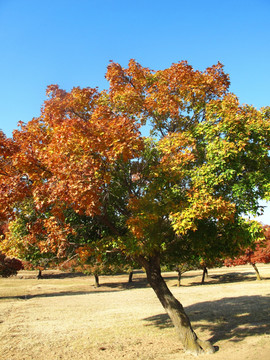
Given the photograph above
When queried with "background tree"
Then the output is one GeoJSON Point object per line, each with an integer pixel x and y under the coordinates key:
{"type": "Point", "coordinates": [27, 237]}
{"type": "Point", "coordinates": [208, 165]}
{"type": "Point", "coordinates": [93, 243]}
{"type": "Point", "coordinates": [108, 262]}
{"type": "Point", "coordinates": [9, 266]}
{"type": "Point", "coordinates": [258, 253]}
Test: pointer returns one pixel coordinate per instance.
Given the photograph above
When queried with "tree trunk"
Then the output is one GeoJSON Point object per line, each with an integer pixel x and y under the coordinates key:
{"type": "Point", "coordinates": [174, 309]}
{"type": "Point", "coordinates": [96, 280]}
{"type": "Point", "coordinates": [257, 272]}
{"type": "Point", "coordinates": [205, 273]}
{"type": "Point", "coordinates": [130, 276]}
{"type": "Point", "coordinates": [39, 274]}
{"type": "Point", "coordinates": [179, 276]}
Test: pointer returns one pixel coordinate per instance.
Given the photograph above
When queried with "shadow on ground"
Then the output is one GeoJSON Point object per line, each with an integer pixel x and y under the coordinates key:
{"type": "Point", "coordinates": [118, 284]}
{"type": "Point", "coordinates": [232, 277]}
{"type": "Point", "coordinates": [226, 319]}
{"type": "Point", "coordinates": [105, 287]}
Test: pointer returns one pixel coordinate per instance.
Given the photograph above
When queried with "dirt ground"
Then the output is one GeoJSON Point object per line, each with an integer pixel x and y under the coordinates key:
{"type": "Point", "coordinates": [64, 317]}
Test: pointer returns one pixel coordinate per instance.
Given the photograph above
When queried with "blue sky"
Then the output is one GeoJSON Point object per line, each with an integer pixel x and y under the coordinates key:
{"type": "Point", "coordinates": [70, 43]}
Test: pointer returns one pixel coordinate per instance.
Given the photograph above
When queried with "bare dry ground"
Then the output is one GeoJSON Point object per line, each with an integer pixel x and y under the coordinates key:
{"type": "Point", "coordinates": [65, 317]}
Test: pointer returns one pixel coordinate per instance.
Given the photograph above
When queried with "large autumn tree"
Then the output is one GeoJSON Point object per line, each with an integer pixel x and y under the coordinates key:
{"type": "Point", "coordinates": [181, 191]}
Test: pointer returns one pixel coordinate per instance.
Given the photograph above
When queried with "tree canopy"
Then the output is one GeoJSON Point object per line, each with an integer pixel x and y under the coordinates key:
{"type": "Point", "coordinates": [178, 192]}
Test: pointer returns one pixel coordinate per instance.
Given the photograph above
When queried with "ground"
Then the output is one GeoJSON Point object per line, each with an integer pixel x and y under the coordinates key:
{"type": "Point", "coordinates": [65, 317]}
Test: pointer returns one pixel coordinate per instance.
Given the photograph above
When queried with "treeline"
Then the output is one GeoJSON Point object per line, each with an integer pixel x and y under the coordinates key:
{"type": "Point", "coordinates": [113, 262]}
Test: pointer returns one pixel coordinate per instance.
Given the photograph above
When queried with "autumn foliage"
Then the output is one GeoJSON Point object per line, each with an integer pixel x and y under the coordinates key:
{"type": "Point", "coordinates": [9, 266]}
{"type": "Point", "coordinates": [259, 253]}
{"type": "Point", "coordinates": [62, 159]}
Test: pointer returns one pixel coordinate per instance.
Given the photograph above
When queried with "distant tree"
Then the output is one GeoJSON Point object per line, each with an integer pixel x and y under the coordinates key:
{"type": "Point", "coordinates": [259, 253]}
{"type": "Point", "coordinates": [104, 262]}
{"type": "Point", "coordinates": [210, 245]}
{"type": "Point", "coordinates": [26, 237]}
{"type": "Point", "coordinates": [9, 266]}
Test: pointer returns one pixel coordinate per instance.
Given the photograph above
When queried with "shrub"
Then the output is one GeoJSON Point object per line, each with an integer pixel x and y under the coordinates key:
{"type": "Point", "coordinates": [9, 266]}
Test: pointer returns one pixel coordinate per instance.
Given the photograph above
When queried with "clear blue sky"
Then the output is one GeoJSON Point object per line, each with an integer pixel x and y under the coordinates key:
{"type": "Point", "coordinates": [70, 43]}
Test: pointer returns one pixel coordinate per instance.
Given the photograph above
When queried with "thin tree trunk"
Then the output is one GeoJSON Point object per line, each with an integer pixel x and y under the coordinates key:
{"type": "Point", "coordinates": [130, 276]}
{"type": "Point", "coordinates": [205, 273]}
{"type": "Point", "coordinates": [257, 272]}
{"type": "Point", "coordinates": [174, 309]}
{"type": "Point", "coordinates": [96, 280]}
{"type": "Point", "coordinates": [179, 276]}
{"type": "Point", "coordinates": [39, 274]}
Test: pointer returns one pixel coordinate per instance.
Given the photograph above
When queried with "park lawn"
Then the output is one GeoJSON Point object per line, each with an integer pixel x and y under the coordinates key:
{"type": "Point", "coordinates": [67, 318]}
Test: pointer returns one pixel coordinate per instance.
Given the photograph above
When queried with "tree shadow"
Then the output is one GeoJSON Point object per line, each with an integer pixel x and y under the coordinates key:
{"type": "Point", "coordinates": [225, 279]}
{"type": "Point", "coordinates": [105, 287]}
{"type": "Point", "coordinates": [214, 279]}
{"type": "Point", "coordinates": [63, 275]}
{"type": "Point", "coordinates": [47, 274]}
{"type": "Point", "coordinates": [51, 294]}
{"type": "Point", "coordinates": [138, 283]}
{"type": "Point", "coordinates": [232, 318]}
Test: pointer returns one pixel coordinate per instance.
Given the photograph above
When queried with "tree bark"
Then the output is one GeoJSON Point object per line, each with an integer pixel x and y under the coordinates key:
{"type": "Point", "coordinates": [257, 272]}
{"type": "Point", "coordinates": [174, 309]}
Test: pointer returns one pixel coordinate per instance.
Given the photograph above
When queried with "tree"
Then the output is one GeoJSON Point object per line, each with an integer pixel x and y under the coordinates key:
{"type": "Point", "coordinates": [209, 245]}
{"type": "Point", "coordinates": [258, 253]}
{"type": "Point", "coordinates": [94, 255]}
{"type": "Point", "coordinates": [207, 165]}
{"type": "Point", "coordinates": [108, 262]}
{"type": "Point", "coordinates": [9, 266]}
{"type": "Point", "coordinates": [26, 237]}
